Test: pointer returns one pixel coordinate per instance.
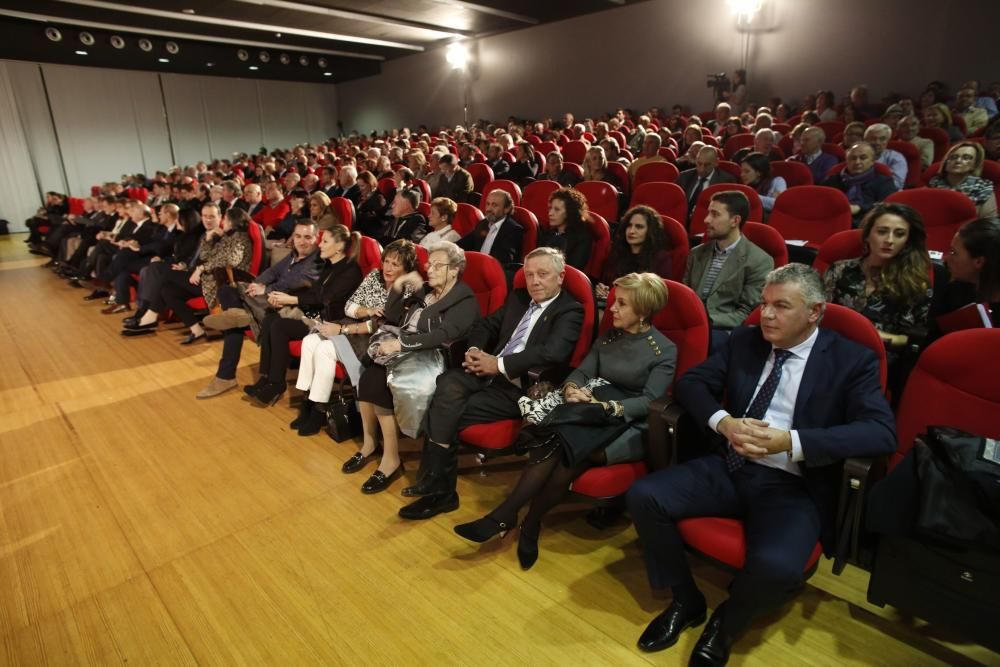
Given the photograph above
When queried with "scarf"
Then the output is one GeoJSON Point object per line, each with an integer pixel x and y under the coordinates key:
{"type": "Point", "coordinates": [855, 182]}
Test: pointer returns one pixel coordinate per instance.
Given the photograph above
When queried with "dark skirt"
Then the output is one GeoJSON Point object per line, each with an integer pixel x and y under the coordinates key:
{"type": "Point", "coordinates": [582, 429]}
{"type": "Point", "coordinates": [373, 387]}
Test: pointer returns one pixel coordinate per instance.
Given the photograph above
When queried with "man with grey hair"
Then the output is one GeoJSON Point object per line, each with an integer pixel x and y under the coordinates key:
{"type": "Point", "coordinates": [253, 196]}
{"type": "Point", "coordinates": [763, 143]}
{"type": "Point", "coordinates": [798, 401]}
{"type": "Point", "coordinates": [538, 325]}
{"type": "Point", "coordinates": [878, 135]}
{"type": "Point", "coordinates": [975, 117]}
{"type": "Point", "coordinates": [232, 196]}
{"type": "Point", "coordinates": [811, 154]}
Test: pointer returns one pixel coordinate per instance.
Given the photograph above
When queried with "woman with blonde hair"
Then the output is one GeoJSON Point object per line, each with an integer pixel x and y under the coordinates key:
{"type": "Point", "coordinates": [960, 171]}
{"type": "Point", "coordinates": [320, 211]}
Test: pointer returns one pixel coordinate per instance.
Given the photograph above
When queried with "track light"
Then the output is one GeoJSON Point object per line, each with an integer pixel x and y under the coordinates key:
{"type": "Point", "coordinates": [53, 34]}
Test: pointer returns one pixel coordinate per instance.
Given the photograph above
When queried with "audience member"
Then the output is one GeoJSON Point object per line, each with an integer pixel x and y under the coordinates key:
{"type": "Point", "coordinates": [939, 116]}
{"type": "Point", "coordinates": [859, 180]}
{"type": "Point", "coordinates": [907, 129]}
{"type": "Point", "coordinates": [496, 161]}
{"type": "Point", "coordinates": [763, 143]}
{"type": "Point", "coordinates": [973, 262]}
{"type": "Point", "coordinates": [406, 222]}
{"type": "Point", "coordinates": [320, 211]}
{"type": "Point", "coordinates": [975, 117]}
{"type": "Point", "coordinates": [878, 136]}
{"type": "Point", "coordinates": [640, 246]}
{"type": "Point", "coordinates": [370, 218]}
{"type": "Point", "coordinates": [555, 170]}
{"type": "Point", "coordinates": [705, 173]}
{"type": "Point", "coordinates": [498, 234]}
{"type": "Point", "coordinates": [961, 171]}
{"type": "Point", "coordinates": [650, 153]}
{"type": "Point", "coordinates": [854, 133]}
{"type": "Point", "coordinates": [569, 227]}
{"type": "Point", "coordinates": [812, 155]}
{"type": "Point", "coordinates": [455, 182]}
{"type": "Point", "coordinates": [755, 171]}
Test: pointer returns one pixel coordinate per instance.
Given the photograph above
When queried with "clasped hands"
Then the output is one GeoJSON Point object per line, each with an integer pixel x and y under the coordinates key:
{"type": "Point", "coordinates": [753, 438]}
{"type": "Point", "coordinates": [279, 299]}
{"type": "Point", "coordinates": [479, 363]}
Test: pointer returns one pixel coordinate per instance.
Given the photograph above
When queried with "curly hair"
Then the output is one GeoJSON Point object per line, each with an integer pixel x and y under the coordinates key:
{"type": "Point", "coordinates": [905, 277]}
{"type": "Point", "coordinates": [656, 238]}
{"type": "Point", "coordinates": [576, 206]}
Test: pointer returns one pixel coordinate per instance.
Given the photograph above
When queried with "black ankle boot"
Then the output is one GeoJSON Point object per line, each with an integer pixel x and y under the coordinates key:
{"type": "Point", "coordinates": [439, 463]}
{"type": "Point", "coordinates": [305, 409]}
{"type": "Point", "coordinates": [314, 421]}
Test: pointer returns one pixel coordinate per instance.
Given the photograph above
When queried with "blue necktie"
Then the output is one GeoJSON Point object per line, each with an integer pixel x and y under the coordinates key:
{"type": "Point", "coordinates": [520, 332]}
{"type": "Point", "coordinates": [758, 408]}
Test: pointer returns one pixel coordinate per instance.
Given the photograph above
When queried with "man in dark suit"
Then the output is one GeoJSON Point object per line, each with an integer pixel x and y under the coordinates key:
{"type": "Point", "coordinates": [498, 234]}
{"type": "Point", "coordinates": [798, 401]}
{"type": "Point", "coordinates": [455, 183]}
{"type": "Point", "coordinates": [536, 326]}
{"type": "Point", "coordinates": [704, 174]}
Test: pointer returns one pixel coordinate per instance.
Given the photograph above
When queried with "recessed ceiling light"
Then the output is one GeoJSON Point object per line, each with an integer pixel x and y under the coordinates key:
{"type": "Point", "coordinates": [188, 11]}
{"type": "Point", "coordinates": [254, 67]}
{"type": "Point", "coordinates": [327, 73]}
{"type": "Point", "coordinates": [80, 53]}
{"type": "Point", "coordinates": [164, 60]}
{"type": "Point", "coordinates": [278, 35]}
{"type": "Point", "coordinates": [209, 64]}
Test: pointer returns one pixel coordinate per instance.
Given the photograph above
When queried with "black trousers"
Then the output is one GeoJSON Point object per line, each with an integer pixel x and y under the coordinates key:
{"type": "Point", "coordinates": [59, 234]}
{"type": "Point", "coordinates": [177, 289]}
{"type": "Point", "coordinates": [275, 334]}
{"type": "Point", "coordinates": [232, 339]}
{"type": "Point", "coordinates": [88, 237]}
{"type": "Point", "coordinates": [123, 265]}
{"type": "Point", "coordinates": [462, 399]}
{"type": "Point", "coordinates": [781, 522]}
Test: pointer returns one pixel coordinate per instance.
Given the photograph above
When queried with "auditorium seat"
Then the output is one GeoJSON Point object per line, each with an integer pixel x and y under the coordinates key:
{"type": "Point", "coordinates": [574, 151]}
{"type": "Point", "coordinates": [665, 198]}
{"type": "Point", "coordinates": [510, 187]}
{"type": "Point", "coordinates": [840, 246]}
{"type": "Point", "coordinates": [529, 222]}
{"type": "Point", "coordinates": [795, 174]}
{"type": "Point", "coordinates": [736, 143]}
{"type": "Point", "coordinates": [481, 175]}
{"type": "Point", "coordinates": [602, 198]}
{"type": "Point", "coordinates": [767, 239]}
{"type": "Point", "coordinates": [913, 164]}
{"type": "Point", "coordinates": [677, 241]}
{"type": "Point", "coordinates": [344, 210]}
{"type": "Point", "coordinates": [466, 218]}
{"type": "Point", "coordinates": [536, 199]}
{"type": "Point", "coordinates": [943, 211]}
{"type": "Point", "coordinates": [601, 246]}
{"type": "Point", "coordinates": [810, 213]}
{"type": "Point", "coordinates": [661, 172]}
{"type": "Point", "coordinates": [621, 173]}
{"type": "Point", "coordinates": [940, 139]}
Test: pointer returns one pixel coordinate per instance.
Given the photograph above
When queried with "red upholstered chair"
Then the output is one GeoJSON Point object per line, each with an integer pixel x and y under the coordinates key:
{"type": "Point", "coordinates": [619, 137]}
{"type": "Point", "coordinates": [940, 139]}
{"type": "Point", "coordinates": [621, 173]}
{"type": "Point", "coordinates": [701, 206]}
{"type": "Point", "coordinates": [840, 246]}
{"type": "Point", "coordinates": [386, 186]}
{"type": "Point", "coordinates": [602, 198]}
{"type": "Point", "coordinates": [767, 239]}
{"type": "Point", "coordinates": [466, 218]}
{"type": "Point", "coordinates": [481, 175]}
{"type": "Point", "coordinates": [736, 143]}
{"type": "Point", "coordinates": [680, 248]}
{"type": "Point", "coordinates": [485, 276]}
{"type": "Point", "coordinates": [991, 171]}
{"type": "Point", "coordinates": [723, 539]}
{"type": "Point", "coordinates": [666, 198]}
{"type": "Point", "coordinates": [795, 173]}
{"type": "Point", "coordinates": [835, 149]}
{"type": "Point", "coordinates": [500, 435]}
{"type": "Point", "coordinates": [425, 189]}
{"type": "Point", "coordinates": [669, 153]}
{"type": "Point", "coordinates": [256, 233]}
{"type": "Point", "coordinates": [510, 187]}
{"type": "Point", "coordinates": [546, 147]}
{"type": "Point", "coordinates": [344, 208]}
{"type": "Point", "coordinates": [424, 209]}
{"type": "Point", "coordinates": [810, 213]}
{"type": "Point", "coordinates": [787, 145]}
{"type": "Point", "coordinates": [535, 140]}
{"type": "Point", "coordinates": [574, 151]}
{"type": "Point", "coordinates": [75, 205]}
{"type": "Point", "coordinates": [573, 168]}
{"type": "Point", "coordinates": [710, 140]}
{"type": "Point", "coordinates": [601, 246]}
{"type": "Point", "coordinates": [536, 199]}
{"type": "Point", "coordinates": [913, 165]}
{"type": "Point", "coordinates": [370, 257]}
{"type": "Point", "coordinates": [684, 321]}
{"type": "Point", "coordinates": [943, 211]}
{"type": "Point", "coordinates": [527, 220]}
{"type": "Point", "coordinates": [730, 168]}
{"type": "Point", "coordinates": [831, 127]}
{"type": "Point", "coordinates": [659, 172]}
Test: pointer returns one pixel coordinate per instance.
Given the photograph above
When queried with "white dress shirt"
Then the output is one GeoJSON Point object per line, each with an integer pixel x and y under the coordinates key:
{"type": "Point", "coordinates": [536, 316]}
{"type": "Point", "coordinates": [491, 236]}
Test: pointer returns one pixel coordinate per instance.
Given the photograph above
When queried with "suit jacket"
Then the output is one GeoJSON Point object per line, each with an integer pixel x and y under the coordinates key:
{"type": "Point", "coordinates": [551, 340]}
{"type": "Point", "coordinates": [457, 189]}
{"type": "Point", "coordinates": [839, 412]}
{"type": "Point", "coordinates": [688, 180]}
{"type": "Point", "coordinates": [506, 246]}
{"type": "Point", "coordinates": [737, 289]}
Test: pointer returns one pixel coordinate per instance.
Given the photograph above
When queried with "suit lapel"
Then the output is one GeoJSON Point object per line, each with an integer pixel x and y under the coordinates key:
{"type": "Point", "coordinates": [751, 371]}
{"type": "Point", "coordinates": [817, 368]}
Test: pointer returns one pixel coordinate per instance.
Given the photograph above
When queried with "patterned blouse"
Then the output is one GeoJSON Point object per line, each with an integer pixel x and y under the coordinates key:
{"type": "Point", "coordinates": [976, 188]}
{"type": "Point", "coordinates": [845, 286]}
{"type": "Point", "coordinates": [235, 250]}
{"type": "Point", "coordinates": [370, 294]}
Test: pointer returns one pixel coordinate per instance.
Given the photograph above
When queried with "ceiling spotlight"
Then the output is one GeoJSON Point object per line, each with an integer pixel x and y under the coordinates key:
{"type": "Point", "coordinates": [321, 62]}
{"type": "Point", "coordinates": [145, 45]}
{"type": "Point", "coordinates": [304, 61]}
{"type": "Point", "coordinates": [80, 53]}
{"type": "Point", "coordinates": [243, 55]}
{"type": "Point", "coordinates": [53, 34]}
{"type": "Point", "coordinates": [209, 64]}
{"type": "Point", "coordinates": [172, 48]}
{"type": "Point", "coordinates": [86, 39]}
{"type": "Point", "coordinates": [254, 68]}
{"type": "Point", "coordinates": [285, 58]}
{"type": "Point", "coordinates": [278, 35]}
{"type": "Point", "coordinates": [264, 56]}
{"type": "Point", "coordinates": [327, 73]}
{"type": "Point", "coordinates": [117, 41]}
{"type": "Point", "coordinates": [456, 55]}
{"type": "Point", "coordinates": [188, 11]}
{"type": "Point", "coordinates": [164, 60]}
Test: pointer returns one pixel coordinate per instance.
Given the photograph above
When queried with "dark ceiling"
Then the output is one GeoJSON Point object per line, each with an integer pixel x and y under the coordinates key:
{"type": "Point", "coordinates": [353, 36]}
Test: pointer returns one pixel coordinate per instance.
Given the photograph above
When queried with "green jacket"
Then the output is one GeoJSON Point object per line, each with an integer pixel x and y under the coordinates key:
{"type": "Point", "coordinates": [737, 290]}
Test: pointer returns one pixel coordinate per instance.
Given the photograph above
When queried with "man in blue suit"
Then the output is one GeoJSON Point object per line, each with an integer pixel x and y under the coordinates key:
{"type": "Point", "coordinates": [798, 400]}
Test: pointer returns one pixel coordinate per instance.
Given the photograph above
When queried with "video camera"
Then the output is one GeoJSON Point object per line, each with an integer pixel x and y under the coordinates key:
{"type": "Point", "coordinates": [719, 83]}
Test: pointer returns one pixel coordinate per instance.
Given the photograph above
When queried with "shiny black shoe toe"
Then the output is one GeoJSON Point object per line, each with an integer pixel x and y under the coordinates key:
{"type": "Point", "coordinates": [356, 462]}
{"type": "Point", "coordinates": [664, 631]}
{"type": "Point", "coordinates": [429, 506]}
{"type": "Point", "coordinates": [379, 481]}
{"type": "Point", "coordinates": [712, 648]}
{"type": "Point", "coordinates": [191, 338]}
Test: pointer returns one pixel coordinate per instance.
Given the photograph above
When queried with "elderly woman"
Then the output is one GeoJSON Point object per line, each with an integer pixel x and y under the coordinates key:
{"type": "Point", "coordinates": [442, 215]}
{"type": "Point", "coordinates": [600, 418]}
{"type": "Point", "coordinates": [568, 227]}
{"type": "Point", "coordinates": [346, 340]}
{"type": "Point", "coordinates": [406, 357]}
{"type": "Point", "coordinates": [961, 171]}
{"type": "Point", "coordinates": [862, 184]}
{"type": "Point", "coordinates": [595, 167]}
{"type": "Point", "coordinates": [320, 211]}
{"type": "Point", "coordinates": [939, 116]}
{"type": "Point", "coordinates": [640, 246]}
{"type": "Point", "coordinates": [755, 171]}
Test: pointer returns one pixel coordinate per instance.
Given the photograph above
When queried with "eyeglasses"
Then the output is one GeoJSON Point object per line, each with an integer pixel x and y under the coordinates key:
{"type": "Point", "coordinates": [963, 158]}
{"type": "Point", "coordinates": [437, 265]}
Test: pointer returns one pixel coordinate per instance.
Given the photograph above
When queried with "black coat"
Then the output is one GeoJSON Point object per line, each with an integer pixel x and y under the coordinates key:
{"type": "Point", "coordinates": [506, 246]}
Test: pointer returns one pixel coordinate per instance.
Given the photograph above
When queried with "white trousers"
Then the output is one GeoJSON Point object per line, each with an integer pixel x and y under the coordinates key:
{"type": "Point", "coordinates": [317, 368]}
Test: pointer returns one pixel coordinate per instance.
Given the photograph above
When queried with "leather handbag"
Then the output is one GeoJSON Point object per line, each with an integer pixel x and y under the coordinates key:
{"type": "Point", "coordinates": [343, 422]}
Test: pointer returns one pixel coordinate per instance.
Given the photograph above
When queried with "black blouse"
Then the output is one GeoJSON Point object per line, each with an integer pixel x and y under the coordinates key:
{"type": "Point", "coordinates": [329, 293]}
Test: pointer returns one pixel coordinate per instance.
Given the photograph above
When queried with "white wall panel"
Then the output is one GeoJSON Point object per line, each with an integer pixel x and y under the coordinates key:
{"type": "Point", "coordinates": [26, 79]}
{"type": "Point", "coordinates": [150, 121]}
{"type": "Point", "coordinates": [19, 192]}
{"type": "Point", "coordinates": [283, 113]}
{"type": "Point", "coordinates": [186, 114]}
{"type": "Point", "coordinates": [233, 114]}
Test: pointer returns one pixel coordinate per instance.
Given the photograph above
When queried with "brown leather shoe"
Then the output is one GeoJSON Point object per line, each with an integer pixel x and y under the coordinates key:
{"type": "Point", "coordinates": [215, 387]}
{"type": "Point", "coordinates": [231, 318]}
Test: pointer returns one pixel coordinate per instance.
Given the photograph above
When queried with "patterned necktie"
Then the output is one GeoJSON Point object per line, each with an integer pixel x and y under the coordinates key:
{"type": "Point", "coordinates": [520, 332]}
{"type": "Point", "coordinates": [758, 408]}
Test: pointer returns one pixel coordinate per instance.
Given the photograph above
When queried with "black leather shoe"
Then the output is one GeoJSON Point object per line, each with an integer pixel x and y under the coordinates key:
{"type": "Point", "coordinates": [97, 294]}
{"type": "Point", "coordinates": [191, 338]}
{"type": "Point", "coordinates": [252, 389]}
{"type": "Point", "coordinates": [430, 506]}
{"type": "Point", "coordinates": [440, 471]}
{"type": "Point", "coordinates": [664, 631]}
{"type": "Point", "coordinates": [130, 321]}
{"type": "Point", "coordinates": [712, 649]}
{"type": "Point", "coordinates": [527, 549]}
{"type": "Point", "coordinates": [269, 394]}
{"type": "Point", "coordinates": [482, 529]}
{"type": "Point", "coordinates": [140, 330]}
{"type": "Point", "coordinates": [357, 462]}
{"type": "Point", "coordinates": [379, 481]}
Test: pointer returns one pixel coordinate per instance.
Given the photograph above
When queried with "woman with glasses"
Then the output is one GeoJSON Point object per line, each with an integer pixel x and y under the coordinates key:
{"type": "Point", "coordinates": [961, 171]}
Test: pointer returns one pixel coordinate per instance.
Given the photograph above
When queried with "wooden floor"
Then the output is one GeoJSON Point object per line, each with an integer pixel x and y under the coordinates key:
{"type": "Point", "coordinates": [139, 525]}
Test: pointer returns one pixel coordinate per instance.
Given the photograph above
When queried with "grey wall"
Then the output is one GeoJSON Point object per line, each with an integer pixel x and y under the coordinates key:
{"type": "Point", "coordinates": [658, 52]}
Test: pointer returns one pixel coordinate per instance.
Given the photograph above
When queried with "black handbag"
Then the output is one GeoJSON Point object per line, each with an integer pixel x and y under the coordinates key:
{"type": "Point", "coordinates": [343, 421]}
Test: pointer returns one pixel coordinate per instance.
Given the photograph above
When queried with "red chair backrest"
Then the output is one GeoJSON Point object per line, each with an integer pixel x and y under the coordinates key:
{"type": "Point", "coordinates": [701, 206]}
{"type": "Point", "coordinates": [730, 168]}
{"type": "Point", "coordinates": [621, 173]}
{"type": "Point", "coordinates": [75, 205]}
{"type": "Point", "coordinates": [536, 199]}
{"type": "Point", "coordinates": [710, 140]}
{"type": "Point", "coordinates": [422, 256]}
{"type": "Point", "coordinates": [344, 210]}
{"type": "Point", "coordinates": [880, 168]}
{"type": "Point", "coordinates": [668, 152]}
{"type": "Point", "coordinates": [602, 198]}
{"type": "Point", "coordinates": [913, 164]}
{"type": "Point", "coordinates": [580, 288]}
{"type": "Point", "coordinates": [618, 137]}
{"type": "Point", "coordinates": [510, 187]}
{"type": "Point", "coordinates": [424, 209]}
{"type": "Point", "coordinates": [386, 186]}
{"type": "Point", "coordinates": [481, 175]}
{"type": "Point", "coordinates": [601, 246]}
{"type": "Point", "coordinates": [851, 325]}
{"type": "Point", "coordinates": [466, 218]}
{"type": "Point", "coordinates": [767, 239]}
{"type": "Point", "coordinates": [572, 167]}
{"type": "Point", "coordinates": [991, 171]}
{"type": "Point", "coordinates": [940, 139]}
{"type": "Point", "coordinates": [425, 189]}
{"type": "Point", "coordinates": [811, 213]}
{"type": "Point", "coordinates": [683, 320]}
{"type": "Point", "coordinates": [953, 384]}
{"type": "Point", "coordinates": [943, 211]}
{"type": "Point", "coordinates": [840, 246]}
{"type": "Point", "coordinates": [665, 198]}
{"type": "Point", "coordinates": [527, 220]}
{"type": "Point", "coordinates": [256, 234]}
{"type": "Point", "coordinates": [546, 147]}
{"type": "Point", "coordinates": [787, 145]}
{"type": "Point", "coordinates": [655, 172]}
{"type": "Point", "coordinates": [370, 256]}
{"type": "Point", "coordinates": [736, 143]}
{"type": "Point", "coordinates": [485, 276]}
{"type": "Point", "coordinates": [680, 248]}
{"type": "Point", "coordinates": [835, 149]}
{"type": "Point", "coordinates": [574, 151]}
{"type": "Point", "coordinates": [795, 173]}
{"type": "Point", "coordinates": [534, 139]}
{"type": "Point", "coordinates": [831, 127]}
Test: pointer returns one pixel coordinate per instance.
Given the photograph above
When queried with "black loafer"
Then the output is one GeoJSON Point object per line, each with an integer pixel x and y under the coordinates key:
{"type": "Point", "coordinates": [712, 648]}
{"type": "Point", "coordinates": [191, 338]}
{"type": "Point", "coordinates": [379, 481]}
{"type": "Point", "coordinates": [357, 462]}
{"type": "Point", "coordinates": [140, 329]}
{"type": "Point", "coordinates": [269, 393]}
{"type": "Point", "coordinates": [97, 294]}
{"type": "Point", "coordinates": [429, 506]}
{"type": "Point", "coordinates": [252, 389]}
{"type": "Point", "coordinates": [664, 631]}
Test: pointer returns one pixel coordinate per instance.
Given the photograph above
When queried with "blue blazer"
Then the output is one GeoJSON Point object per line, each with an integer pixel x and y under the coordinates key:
{"type": "Point", "coordinates": [840, 411]}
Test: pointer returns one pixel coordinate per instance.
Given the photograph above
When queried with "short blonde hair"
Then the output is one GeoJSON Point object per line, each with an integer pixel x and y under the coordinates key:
{"type": "Point", "coordinates": [977, 165]}
{"type": "Point", "coordinates": [648, 291]}
{"type": "Point", "coordinates": [445, 207]}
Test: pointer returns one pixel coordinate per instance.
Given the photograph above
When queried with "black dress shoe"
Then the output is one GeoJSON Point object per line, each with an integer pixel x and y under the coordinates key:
{"type": "Point", "coordinates": [527, 548]}
{"type": "Point", "coordinates": [269, 394]}
{"type": "Point", "coordinates": [75, 282]}
{"type": "Point", "coordinates": [430, 506]}
{"type": "Point", "coordinates": [712, 648]}
{"type": "Point", "coordinates": [130, 321]}
{"type": "Point", "coordinates": [140, 329]}
{"type": "Point", "coordinates": [97, 294]}
{"type": "Point", "coordinates": [357, 462]}
{"type": "Point", "coordinates": [379, 481]}
{"type": "Point", "coordinates": [191, 338]}
{"type": "Point", "coordinates": [252, 389]}
{"type": "Point", "coordinates": [482, 529]}
{"type": "Point", "coordinates": [664, 631]}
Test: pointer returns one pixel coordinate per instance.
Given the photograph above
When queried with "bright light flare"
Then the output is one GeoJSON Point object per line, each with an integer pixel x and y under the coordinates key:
{"type": "Point", "coordinates": [457, 55]}
{"type": "Point", "coordinates": [744, 9]}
